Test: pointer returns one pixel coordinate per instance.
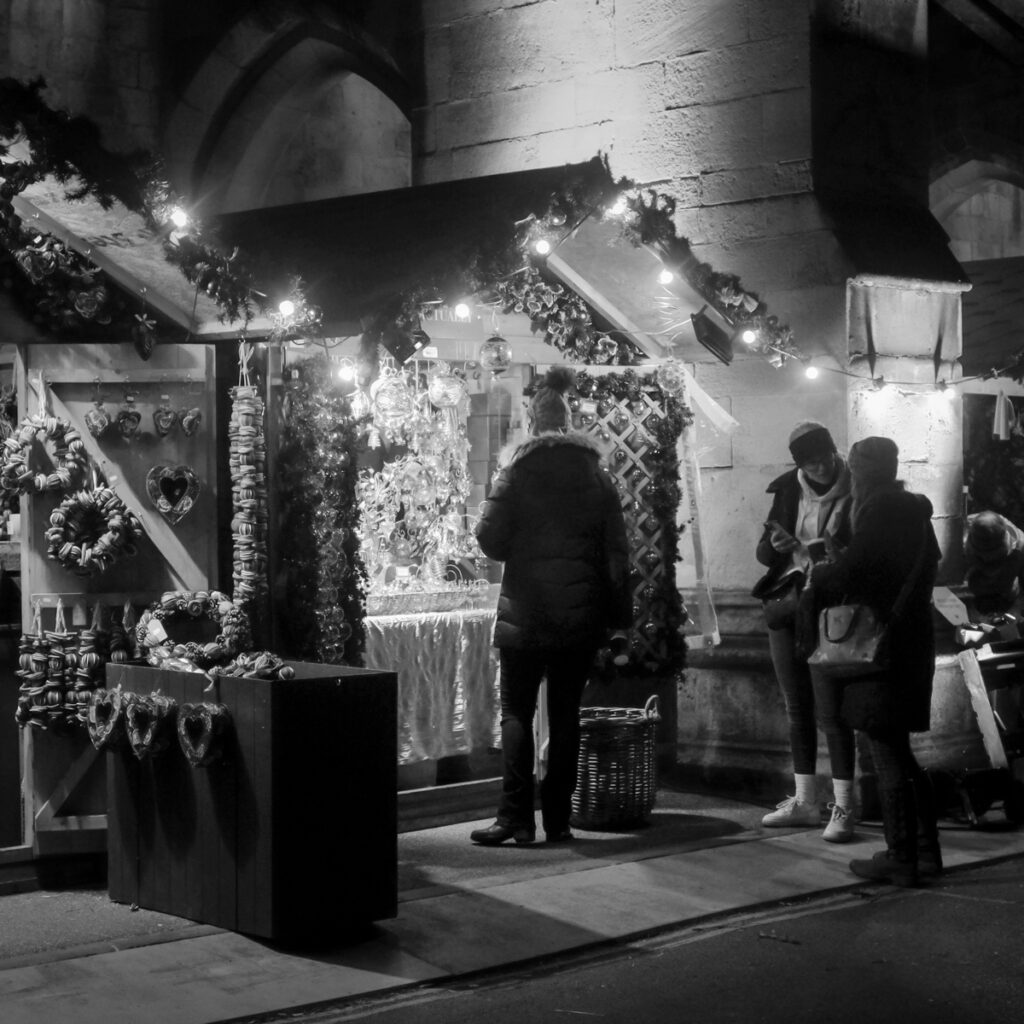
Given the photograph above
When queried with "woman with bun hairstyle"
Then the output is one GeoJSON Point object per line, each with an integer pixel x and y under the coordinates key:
{"type": "Point", "coordinates": [554, 518]}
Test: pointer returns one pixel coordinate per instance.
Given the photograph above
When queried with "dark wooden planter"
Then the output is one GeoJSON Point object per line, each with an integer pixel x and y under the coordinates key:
{"type": "Point", "coordinates": [292, 833]}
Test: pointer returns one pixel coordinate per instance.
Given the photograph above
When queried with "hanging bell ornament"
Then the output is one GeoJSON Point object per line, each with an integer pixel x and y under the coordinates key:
{"type": "Point", "coordinates": [496, 355]}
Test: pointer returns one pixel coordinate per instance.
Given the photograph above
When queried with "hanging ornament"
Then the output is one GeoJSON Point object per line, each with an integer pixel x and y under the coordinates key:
{"type": "Point", "coordinates": [97, 419]}
{"type": "Point", "coordinates": [173, 491]}
{"type": "Point", "coordinates": [444, 388]}
{"type": "Point", "coordinates": [393, 402]}
{"type": "Point", "coordinates": [190, 420]}
{"type": "Point", "coordinates": [496, 355]}
{"type": "Point", "coordinates": [671, 378]}
{"type": "Point", "coordinates": [164, 417]}
{"type": "Point", "coordinates": [128, 418]}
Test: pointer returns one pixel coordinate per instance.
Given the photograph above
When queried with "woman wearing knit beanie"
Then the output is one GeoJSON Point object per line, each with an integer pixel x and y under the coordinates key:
{"type": "Point", "coordinates": [892, 542]}
{"type": "Point", "coordinates": [809, 503]}
{"type": "Point", "coordinates": [554, 518]}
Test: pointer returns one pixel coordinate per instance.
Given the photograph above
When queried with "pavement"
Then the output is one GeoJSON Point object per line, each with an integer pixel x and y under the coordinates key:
{"type": "Point", "coordinates": [463, 910]}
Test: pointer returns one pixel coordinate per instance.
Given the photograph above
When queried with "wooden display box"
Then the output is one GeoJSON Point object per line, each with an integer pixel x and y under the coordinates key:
{"type": "Point", "coordinates": [292, 833]}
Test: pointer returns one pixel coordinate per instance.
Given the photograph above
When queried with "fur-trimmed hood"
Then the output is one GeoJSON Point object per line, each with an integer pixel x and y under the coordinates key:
{"type": "Point", "coordinates": [514, 452]}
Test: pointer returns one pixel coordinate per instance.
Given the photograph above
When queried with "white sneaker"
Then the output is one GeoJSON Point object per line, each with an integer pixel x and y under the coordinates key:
{"type": "Point", "coordinates": [840, 828]}
{"type": "Point", "coordinates": [792, 813]}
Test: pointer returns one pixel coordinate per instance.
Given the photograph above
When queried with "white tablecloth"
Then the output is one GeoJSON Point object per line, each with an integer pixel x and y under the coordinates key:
{"type": "Point", "coordinates": [447, 679]}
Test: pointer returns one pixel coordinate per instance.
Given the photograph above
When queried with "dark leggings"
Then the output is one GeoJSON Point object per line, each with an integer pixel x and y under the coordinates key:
{"type": "Point", "coordinates": [805, 693]}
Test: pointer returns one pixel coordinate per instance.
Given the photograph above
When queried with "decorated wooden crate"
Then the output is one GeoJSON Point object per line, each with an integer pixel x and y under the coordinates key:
{"type": "Point", "coordinates": [284, 826]}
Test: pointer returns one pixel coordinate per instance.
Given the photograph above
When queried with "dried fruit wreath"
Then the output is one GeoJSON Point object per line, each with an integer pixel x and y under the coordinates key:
{"type": "Point", "coordinates": [69, 456]}
{"type": "Point", "coordinates": [212, 605]}
{"type": "Point", "coordinates": [90, 530]}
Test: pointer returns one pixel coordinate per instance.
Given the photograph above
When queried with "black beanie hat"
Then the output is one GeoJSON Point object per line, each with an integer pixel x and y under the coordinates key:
{"type": "Point", "coordinates": [875, 459]}
{"type": "Point", "coordinates": [810, 440]}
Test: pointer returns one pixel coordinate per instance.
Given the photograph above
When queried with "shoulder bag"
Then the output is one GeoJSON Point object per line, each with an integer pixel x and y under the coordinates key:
{"type": "Point", "coordinates": [853, 640]}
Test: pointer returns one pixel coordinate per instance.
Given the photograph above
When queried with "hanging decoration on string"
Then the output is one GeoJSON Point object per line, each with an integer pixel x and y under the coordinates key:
{"type": "Point", "coordinates": [173, 491]}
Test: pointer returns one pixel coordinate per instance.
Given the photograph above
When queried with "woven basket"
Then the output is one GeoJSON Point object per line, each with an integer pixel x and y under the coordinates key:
{"type": "Point", "coordinates": [617, 784]}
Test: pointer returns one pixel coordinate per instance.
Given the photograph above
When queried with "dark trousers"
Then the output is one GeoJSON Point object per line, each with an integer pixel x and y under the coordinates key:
{"type": "Point", "coordinates": [520, 678]}
{"type": "Point", "coordinates": [909, 814]}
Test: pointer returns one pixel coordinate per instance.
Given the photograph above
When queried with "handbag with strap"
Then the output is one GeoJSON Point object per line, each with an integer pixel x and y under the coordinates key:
{"type": "Point", "coordinates": [853, 640]}
{"type": "Point", "coordinates": [780, 600]}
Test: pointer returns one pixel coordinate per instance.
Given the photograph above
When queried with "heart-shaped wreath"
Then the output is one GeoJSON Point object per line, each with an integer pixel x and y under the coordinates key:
{"type": "Point", "coordinates": [69, 456]}
{"type": "Point", "coordinates": [201, 730]}
{"type": "Point", "coordinates": [149, 723]}
{"type": "Point", "coordinates": [173, 491]}
{"type": "Point", "coordinates": [105, 720]}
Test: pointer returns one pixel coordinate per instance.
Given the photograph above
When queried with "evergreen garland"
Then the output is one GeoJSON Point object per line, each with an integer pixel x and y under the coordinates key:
{"type": "Point", "coordinates": [323, 607]}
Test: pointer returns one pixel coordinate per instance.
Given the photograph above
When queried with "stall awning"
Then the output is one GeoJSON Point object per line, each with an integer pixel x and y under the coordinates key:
{"type": "Point", "coordinates": [359, 255]}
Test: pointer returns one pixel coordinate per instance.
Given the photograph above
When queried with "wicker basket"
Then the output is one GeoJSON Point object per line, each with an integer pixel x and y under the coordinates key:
{"type": "Point", "coordinates": [617, 784]}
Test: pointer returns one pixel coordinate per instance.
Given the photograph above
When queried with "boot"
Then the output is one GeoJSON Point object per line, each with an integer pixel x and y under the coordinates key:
{"type": "Point", "coordinates": [896, 865]}
{"type": "Point", "coordinates": [929, 853]}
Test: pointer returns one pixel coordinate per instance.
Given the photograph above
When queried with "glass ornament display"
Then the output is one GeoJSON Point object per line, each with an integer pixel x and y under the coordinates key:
{"type": "Point", "coordinates": [496, 355]}
{"type": "Point", "coordinates": [444, 389]}
{"type": "Point", "coordinates": [393, 402]}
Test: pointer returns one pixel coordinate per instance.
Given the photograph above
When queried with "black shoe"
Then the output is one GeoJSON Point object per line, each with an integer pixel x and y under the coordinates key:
{"type": "Point", "coordinates": [496, 834]}
{"type": "Point", "coordinates": [884, 866]}
{"type": "Point", "coordinates": [562, 835]}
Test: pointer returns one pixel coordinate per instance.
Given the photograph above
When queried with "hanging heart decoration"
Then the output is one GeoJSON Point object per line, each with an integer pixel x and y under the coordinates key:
{"type": "Point", "coordinates": [201, 729]}
{"type": "Point", "coordinates": [173, 491]}
{"type": "Point", "coordinates": [105, 720]}
{"type": "Point", "coordinates": [97, 419]}
{"type": "Point", "coordinates": [164, 420]}
{"type": "Point", "coordinates": [128, 421]}
{"type": "Point", "coordinates": [150, 723]}
{"type": "Point", "coordinates": [190, 420]}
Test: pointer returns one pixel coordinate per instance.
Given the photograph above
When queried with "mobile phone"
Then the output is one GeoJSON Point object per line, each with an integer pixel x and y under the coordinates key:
{"type": "Point", "coordinates": [771, 524]}
{"type": "Point", "coordinates": [817, 549]}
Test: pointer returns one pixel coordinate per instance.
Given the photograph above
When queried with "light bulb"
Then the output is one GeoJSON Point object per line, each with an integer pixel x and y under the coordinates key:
{"type": "Point", "coordinates": [749, 336]}
{"type": "Point", "coordinates": [542, 246]}
{"type": "Point", "coordinates": [665, 277]}
{"type": "Point", "coordinates": [618, 208]}
{"type": "Point", "coordinates": [811, 373]}
{"type": "Point", "coordinates": [179, 218]}
{"type": "Point", "coordinates": [346, 371]}
{"type": "Point", "coordinates": [286, 307]}
{"type": "Point", "coordinates": [462, 310]}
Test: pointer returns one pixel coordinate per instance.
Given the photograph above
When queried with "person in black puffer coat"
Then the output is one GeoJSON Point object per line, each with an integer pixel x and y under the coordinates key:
{"type": "Point", "coordinates": [892, 540]}
{"type": "Point", "coordinates": [554, 518]}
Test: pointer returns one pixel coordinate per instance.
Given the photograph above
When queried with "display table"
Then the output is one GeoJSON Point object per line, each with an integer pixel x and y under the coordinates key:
{"type": "Point", "coordinates": [291, 833]}
{"type": "Point", "coordinates": [447, 679]}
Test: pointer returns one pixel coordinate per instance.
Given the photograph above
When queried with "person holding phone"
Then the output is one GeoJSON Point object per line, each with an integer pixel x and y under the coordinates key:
{"type": "Point", "coordinates": [809, 522]}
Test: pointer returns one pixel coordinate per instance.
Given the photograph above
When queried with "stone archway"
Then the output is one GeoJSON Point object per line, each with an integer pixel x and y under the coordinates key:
{"type": "Point", "coordinates": [290, 111]}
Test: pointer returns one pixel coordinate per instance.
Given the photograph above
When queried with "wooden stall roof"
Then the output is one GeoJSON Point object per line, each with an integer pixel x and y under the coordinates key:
{"type": "Point", "coordinates": [359, 254]}
{"type": "Point", "coordinates": [121, 244]}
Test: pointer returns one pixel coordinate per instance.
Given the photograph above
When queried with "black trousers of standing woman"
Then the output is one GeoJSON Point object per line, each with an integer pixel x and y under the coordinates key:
{"type": "Point", "coordinates": [905, 793]}
{"type": "Point", "coordinates": [521, 674]}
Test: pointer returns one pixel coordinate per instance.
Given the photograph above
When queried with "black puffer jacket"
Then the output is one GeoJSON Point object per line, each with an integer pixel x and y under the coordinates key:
{"type": "Point", "coordinates": [890, 530]}
{"type": "Point", "coordinates": [554, 518]}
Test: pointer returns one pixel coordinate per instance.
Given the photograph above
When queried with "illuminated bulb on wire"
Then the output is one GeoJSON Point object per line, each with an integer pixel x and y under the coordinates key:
{"type": "Point", "coordinates": [665, 277]}
{"type": "Point", "coordinates": [618, 208]}
{"type": "Point", "coordinates": [462, 310]}
{"type": "Point", "coordinates": [179, 218]}
{"type": "Point", "coordinates": [286, 307]}
{"type": "Point", "coordinates": [811, 373]}
{"type": "Point", "coordinates": [749, 336]}
{"type": "Point", "coordinates": [542, 247]}
{"type": "Point", "coordinates": [346, 372]}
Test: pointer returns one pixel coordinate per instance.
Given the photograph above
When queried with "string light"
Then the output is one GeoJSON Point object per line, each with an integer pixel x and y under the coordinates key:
{"type": "Point", "coordinates": [542, 247]}
{"type": "Point", "coordinates": [618, 208]}
{"type": "Point", "coordinates": [286, 307]}
{"type": "Point", "coordinates": [179, 218]}
{"type": "Point", "coordinates": [666, 276]}
{"type": "Point", "coordinates": [462, 310]}
{"type": "Point", "coordinates": [811, 372]}
{"type": "Point", "coordinates": [749, 336]}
